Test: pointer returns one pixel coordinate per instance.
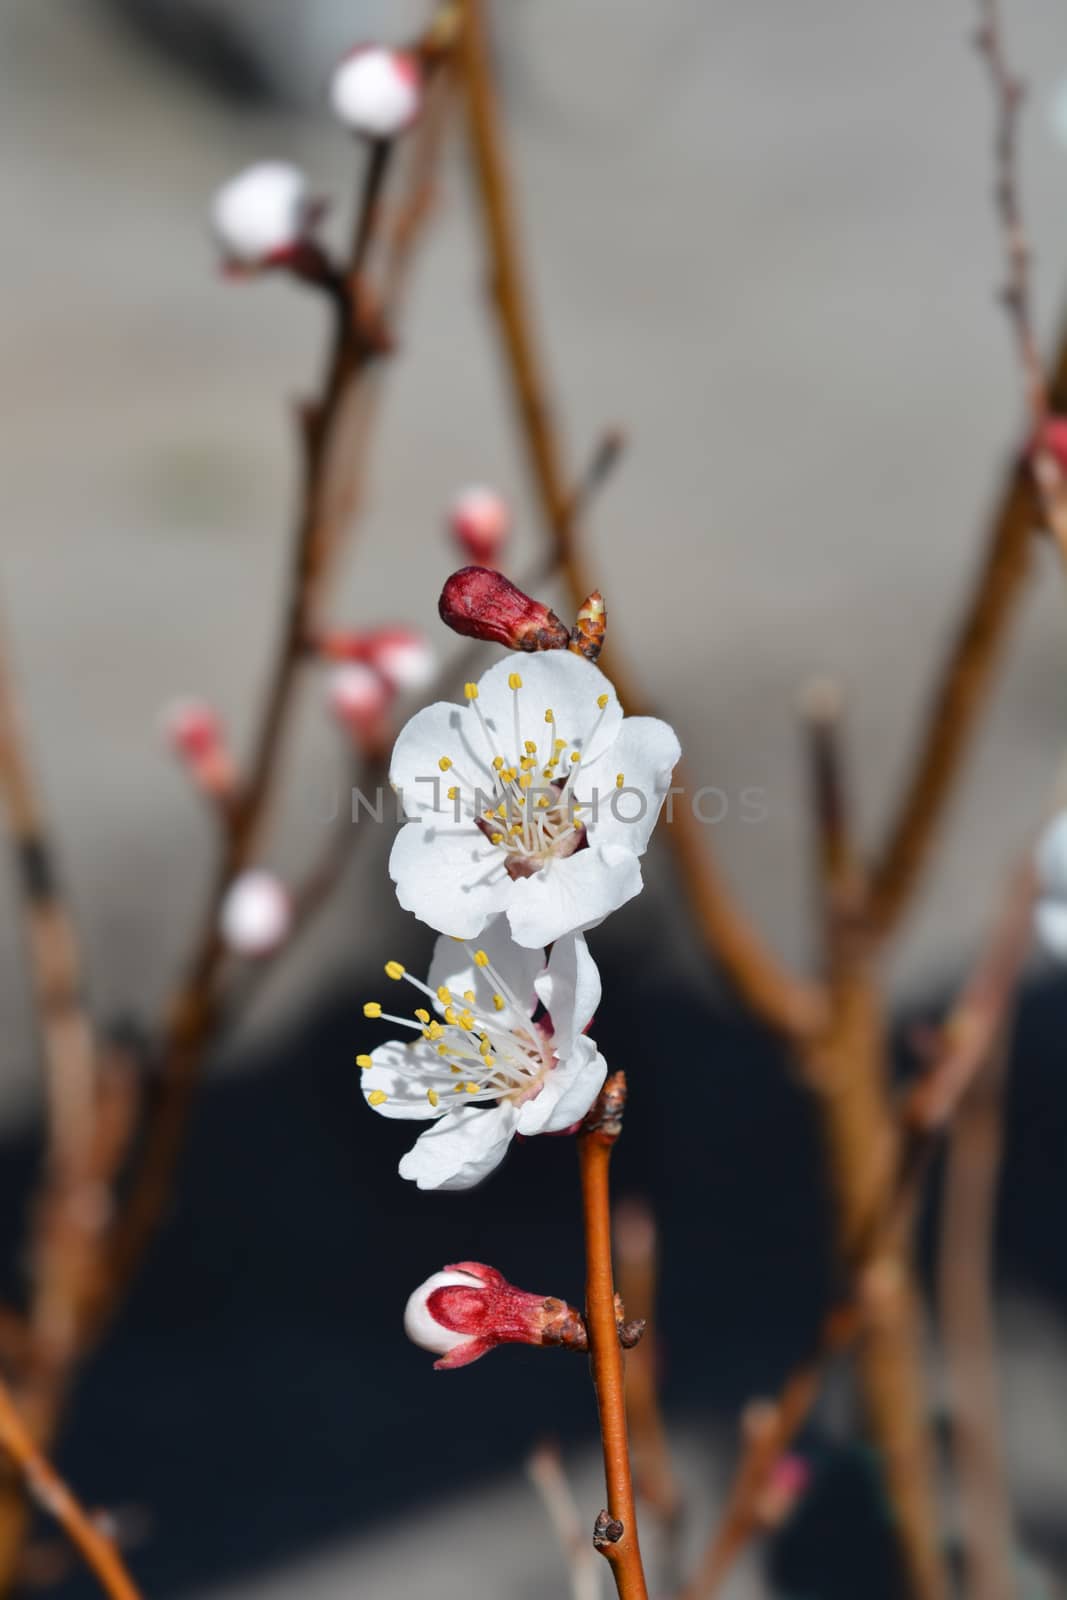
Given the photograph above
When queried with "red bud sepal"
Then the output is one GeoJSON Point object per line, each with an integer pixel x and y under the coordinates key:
{"type": "Point", "coordinates": [483, 604]}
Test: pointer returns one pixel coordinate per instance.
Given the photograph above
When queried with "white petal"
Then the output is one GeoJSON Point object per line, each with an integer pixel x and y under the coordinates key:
{"type": "Point", "coordinates": [568, 1092]}
{"type": "Point", "coordinates": [570, 990]}
{"type": "Point", "coordinates": [646, 753]}
{"type": "Point", "coordinates": [552, 680]}
{"type": "Point", "coordinates": [1050, 859]}
{"type": "Point", "coordinates": [519, 968]}
{"type": "Point", "coordinates": [261, 211]}
{"type": "Point", "coordinates": [375, 92]}
{"type": "Point", "coordinates": [442, 729]}
{"type": "Point", "coordinates": [451, 878]}
{"type": "Point", "coordinates": [573, 894]}
{"type": "Point", "coordinates": [461, 1149]}
{"type": "Point", "coordinates": [1050, 921]}
{"type": "Point", "coordinates": [421, 1328]}
{"type": "Point", "coordinates": [404, 1075]}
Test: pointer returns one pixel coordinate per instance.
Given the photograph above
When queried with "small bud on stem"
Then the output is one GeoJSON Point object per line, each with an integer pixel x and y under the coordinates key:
{"type": "Point", "coordinates": [485, 605]}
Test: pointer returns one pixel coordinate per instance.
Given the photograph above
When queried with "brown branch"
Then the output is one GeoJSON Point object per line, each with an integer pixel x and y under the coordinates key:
{"type": "Point", "coordinates": [773, 993]}
{"type": "Point", "coordinates": [965, 1265]}
{"type": "Point", "coordinates": [548, 1477]}
{"type": "Point", "coordinates": [196, 1009]}
{"type": "Point", "coordinates": [657, 1482]}
{"type": "Point", "coordinates": [615, 1535]}
{"type": "Point", "coordinates": [52, 1495]}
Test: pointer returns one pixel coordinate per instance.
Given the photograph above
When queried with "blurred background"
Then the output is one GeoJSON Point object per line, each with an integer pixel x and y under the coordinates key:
{"type": "Point", "coordinates": [762, 242]}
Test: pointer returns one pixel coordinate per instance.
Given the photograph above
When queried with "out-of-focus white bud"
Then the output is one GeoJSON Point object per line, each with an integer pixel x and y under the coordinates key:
{"type": "Point", "coordinates": [256, 914]}
{"type": "Point", "coordinates": [262, 214]}
{"type": "Point", "coordinates": [480, 522]}
{"type": "Point", "coordinates": [377, 92]}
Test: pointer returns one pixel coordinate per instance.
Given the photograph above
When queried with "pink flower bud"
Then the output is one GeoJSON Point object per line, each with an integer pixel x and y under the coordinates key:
{"type": "Point", "coordinates": [1051, 439]}
{"type": "Point", "coordinates": [359, 698]}
{"type": "Point", "coordinates": [463, 1311]}
{"type": "Point", "coordinates": [377, 92]}
{"type": "Point", "coordinates": [256, 914]}
{"type": "Point", "coordinates": [484, 605]}
{"type": "Point", "coordinates": [788, 1482]}
{"type": "Point", "coordinates": [194, 732]}
{"type": "Point", "coordinates": [480, 523]}
{"type": "Point", "coordinates": [403, 658]}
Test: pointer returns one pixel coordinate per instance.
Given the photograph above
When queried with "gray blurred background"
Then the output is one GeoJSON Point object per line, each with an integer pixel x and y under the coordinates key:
{"type": "Point", "coordinates": [761, 241]}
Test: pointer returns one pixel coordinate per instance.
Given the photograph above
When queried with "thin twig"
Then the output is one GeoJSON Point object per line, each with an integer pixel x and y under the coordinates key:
{"type": "Point", "coordinates": [965, 1267]}
{"type": "Point", "coordinates": [545, 1468]}
{"type": "Point", "coordinates": [777, 996]}
{"type": "Point", "coordinates": [657, 1481]}
{"type": "Point", "coordinates": [615, 1535]}
{"type": "Point", "coordinates": [52, 1495]}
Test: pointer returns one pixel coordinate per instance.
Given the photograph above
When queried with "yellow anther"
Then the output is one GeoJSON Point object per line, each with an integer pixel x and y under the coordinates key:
{"type": "Point", "coordinates": [444, 763]}
{"type": "Point", "coordinates": [377, 1097]}
{"type": "Point", "coordinates": [542, 802]}
{"type": "Point", "coordinates": [602, 701]}
{"type": "Point", "coordinates": [525, 780]}
{"type": "Point", "coordinates": [422, 1016]}
{"type": "Point", "coordinates": [364, 1062]}
{"type": "Point", "coordinates": [526, 764]}
{"type": "Point", "coordinates": [480, 958]}
{"type": "Point", "coordinates": [496, 838]}
{"type": "Point", "coordinates": [516, 827]}
{"type": "Point", "coordinates": [620, 780]}
{"type": "Point", "coordinates": [393, 969]}
{"type": "Point", "coordinates": [576, 755]}
{"type": "Point", "coordinates": [549, 771]}
{"type": "Point", "coordinates": [443, 1050]}
{"type": "Point", "coordinates": [514, 681]}
{"type": "Point", "coordinates": [434, 1031]}
{"type": "Point", "coordinates": [457, 1088]}
{"type": "Point", "coordinates": [559, 744]}
{"type": "Point", "coordinates": [471, 691]}
{"type": "Point", "coordinates": [466, 1020]}
{"type": "Point", "coordinates": [468, 995]}
{"type": "Point", "coordinates": [499, 1002]}
{"type": "Point", "coordinates": [432, 1096]}
{"type": "Point", "coordinates": [372, 1009]}
{"type": "Point", "coordinates": [498, 762]}
{"type": "Point", "coordinates": [485, 1048]}
{"type": "Point", "coordinates": [444, 995]}
{"type": "Point", "coordinates": [550, 716]}
{"type": "Point", "coordinates": [454, 1068]}
{"type": "Point", "coordinates": [502, 809]}
{"type": "Point", "coordinates": [450, 1016]}
{"type": "Point", "coordinates": [530, 747]}
{"type": "Point", "coordinates": [453, 793]}
{"type": "Point", "coordinates": [490, 1062]}
{"type": "Point", "coordinates": [471, 1088]}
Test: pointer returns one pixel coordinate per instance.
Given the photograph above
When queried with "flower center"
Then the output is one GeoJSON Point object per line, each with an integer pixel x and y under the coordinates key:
{"type": "Point", "coordinates": [477, 1054]}
{"type": "Point", "coordinates": [527, 806]}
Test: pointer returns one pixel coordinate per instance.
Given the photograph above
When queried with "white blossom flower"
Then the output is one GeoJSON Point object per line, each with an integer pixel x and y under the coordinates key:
{"type": "Point", "coordinates": [262, 213]}
{"type": "Point", "coordinates": [256, 914]}
{"type": "Point", "coordinates": [1050, 864]}
{"type": "Point", "coordinates": [376, 92]}
{"type": "Point", "coordinates": [535, 800]}
{"type": "Point", "coordinates": [499, 1048]}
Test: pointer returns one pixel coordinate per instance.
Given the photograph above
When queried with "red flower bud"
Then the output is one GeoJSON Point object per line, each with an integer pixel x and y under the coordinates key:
{"type": "Point", "coordinates": [484, 605]}
{"type": "Point", "coordinates": [360, 699]}
{"type": "Point", "coordinates": [461, 1312]}
{"type": "Point", "coordinates": [480, 522]}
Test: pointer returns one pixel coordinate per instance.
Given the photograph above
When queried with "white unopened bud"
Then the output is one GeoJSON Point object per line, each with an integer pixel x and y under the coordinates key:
{"type": "Point", "coordinates": [480, 522]}
{"type": "Point", "coordinates": [262, 213]}
{"type": "Point", "coordinates": [421, 1327]}
{"type": "Point", "coordinates": [256, 914]}
{"type": "Point", "coordinates": [376, 92]}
